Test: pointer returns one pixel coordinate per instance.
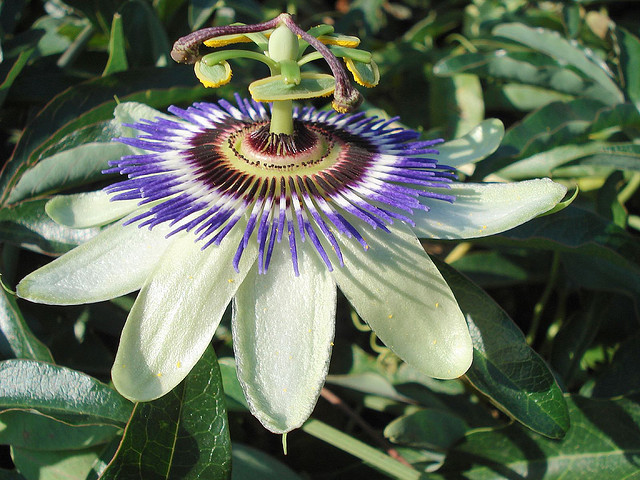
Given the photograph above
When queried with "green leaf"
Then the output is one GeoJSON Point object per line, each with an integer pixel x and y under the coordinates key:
{"type": "Point", "coordinates": [251, 464]}
{"type": "Point", "coordinates": [477, 144]}
{"type": "Point", "coordinates": [97, 11]}
{"type": "Point", "coordinates": [603, 442]}
{"type": "Point", "coordinates": [145, 34]}
{"type": "Point", "coordinates": [60, 393]}
{"type": "Point", "coordinates": [75, 166]}
{"type": "Point", "coordinates": [504, 367]}
{"type": "Point", "coordinates": [497, 269]}
{"type": "Point", "coordinates": [55, 465]}
{"type": "Point", "coordinates": [629, 46]}
{"type": "Point", "coordinates": [427, 428]}
{"type": "Point", "coordinates": [117, 55]}
{"type": "Point", "coordinates": [21, 341]}
{"type": "Point", "coordinates": [616, 156]}
{"type": "Point", "coordinates": [10, 475]}
{"type": "Point", "coordinates": [28, 225]}
{"type": "Point", "coordinates": [38, 432]}
{"type": "Point", "coordinates": [274, 88]}
{"type": "Point", "coordinates": [181, 435]}
{"type": "Point", "coordinates": [576, 335]}
{"type": "Point", "coordinates": [92, 102]}
{"type": "Point", "coordinates": [12, 62]}
{"type": "Point", "coordinates": [622, 377]}
{"type": "Point", "coordinates": [529, 68]}
{"type": "Point", "coordinates": [578, 231]}
{"type": "Point", "coordinates": [562, 50]}
{"type": "Point", "coordinates": [232, 388]}
{"type": "Point", "coordinates": [519, 97]}
{"type": "Point", "coordinates": [199, 12]}
{"type": "Point", "coordinates": [367, 454]}
{"type": "Point", "coordinates": [553, 125]}
{"type": "Point", "coordinates": [457, 102]}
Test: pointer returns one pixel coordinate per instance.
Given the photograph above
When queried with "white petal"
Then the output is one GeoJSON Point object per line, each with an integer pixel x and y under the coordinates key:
{"type": "Point", "coordinates": [482, 209]}
{"type": "Point", "coordinates": [176, 315]}
{"type": "Point", "coordinates": [283, 326]}
{"type": "Point", "coordinates": [90, 209]}
{"type": "Point", "coordinates": [114, 263]}
{"type": "Point", "coordinates": [479, 143]}
{"type": "Point", "coordinates": [395, 287]}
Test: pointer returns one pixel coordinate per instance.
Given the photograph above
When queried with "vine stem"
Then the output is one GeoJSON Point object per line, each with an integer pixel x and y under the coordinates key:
{"type": "Point", "coordinates": [333, 399]}
{"type": "Point", "coordinates": [538, 309]}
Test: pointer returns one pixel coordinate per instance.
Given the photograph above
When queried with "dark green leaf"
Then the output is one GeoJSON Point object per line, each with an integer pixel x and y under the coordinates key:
{"type": "Point", "coordinates": [576, 335]}
{"type": "Point", "coordinates": [603, 442]}
{"type": "Point", "coordinates": [629, 46]}
{"type": "Point", "coordinates": [21, 342]}
{"type": "Point", "coordinates": [427, 428]}
{"type": "Point", "coordinates": [590, 271]}
{"type": "Point", "coordinates": [231, 386]}
{"type": "Point", "coordinates": [28, 225]}
{"type": "Point", "coordinates": [117, 55]}
{"type": "Point", "coordinates": [10, 475]}
{"type": "Point", "coordinates": [252, 464]}
{"type": "Point", "coordinates": [52, 465]}
{"type": "Point", "coordinates": [504, 367]}
{"type": "Point", "coordinates": [623, 376]}
{"type": "Point", "coordinates": [100, 12]}
{"type": "Point", "coordinates": [15, 56]}
{"type": "Point", "coordinates": [181, 435]}
{"type": "Point", "coordinates": [146, 36]}
{"type": "Point", "coordinates": [38, 432]}
{"type": "Point", "coordinates": [60, 392]}
{"type": "Point", "coordinates": [199, 12]}
{"type": "Point", "coordinates": [576, 230]}
{"type": "Point", "coordinates": [492, 269]}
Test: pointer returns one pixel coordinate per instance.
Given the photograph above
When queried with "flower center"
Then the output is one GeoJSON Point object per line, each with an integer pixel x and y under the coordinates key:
{"type": "Point", "coordinates": [307, 150]}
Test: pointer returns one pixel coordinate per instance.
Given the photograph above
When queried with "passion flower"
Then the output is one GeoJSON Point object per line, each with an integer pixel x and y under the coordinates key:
{"type": "Point", "coordinates": [272, 209]}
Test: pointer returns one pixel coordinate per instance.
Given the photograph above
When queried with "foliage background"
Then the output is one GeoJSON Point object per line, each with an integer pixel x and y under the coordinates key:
{"type": "Point", "coordinates": [560, 401]}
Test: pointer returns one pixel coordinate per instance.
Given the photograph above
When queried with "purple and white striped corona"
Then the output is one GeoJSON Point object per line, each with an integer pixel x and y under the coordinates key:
{"type": "Point", "coordinates": [218, 164]}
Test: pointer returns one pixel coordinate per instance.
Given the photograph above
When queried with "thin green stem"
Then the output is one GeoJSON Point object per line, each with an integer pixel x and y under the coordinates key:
{"type": "Point", "coordinates": [544, 299]}
{"type": "Point", "coordinates": [217, 57]}
{"type": "Point", "coordinates": [629, 189]}
{"type": "Point", "coordinates": [360, 326]}
{"type": "Point", "coordinates": [367, 454]}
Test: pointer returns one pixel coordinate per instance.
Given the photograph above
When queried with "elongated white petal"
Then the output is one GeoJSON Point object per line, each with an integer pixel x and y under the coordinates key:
{"type": "Point", "coordinates": [395, 287]}
{"type": "Point", "coordinates": [283, 326]}
{"type": "Point", "coordinates": [176, 315]}
{"type": "Point", "coordinates": [114, 263]}
{"type": "Point", "coordinates": [482, 209]}
{"type": "Point", "coordinates": [90, 209]}
{"type": "Point", "coordinates": [479, 143]}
